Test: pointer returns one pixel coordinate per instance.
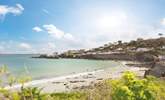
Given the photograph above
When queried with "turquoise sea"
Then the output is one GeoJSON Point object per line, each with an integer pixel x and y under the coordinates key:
{"type": "Point", "coordinates": [24, 64]}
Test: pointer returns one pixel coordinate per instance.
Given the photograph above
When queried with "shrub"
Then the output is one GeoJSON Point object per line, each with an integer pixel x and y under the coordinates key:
{"type": "Point", "coordinates": [69, 96]}
{"type": "Point", "coordinates": [129, 87]}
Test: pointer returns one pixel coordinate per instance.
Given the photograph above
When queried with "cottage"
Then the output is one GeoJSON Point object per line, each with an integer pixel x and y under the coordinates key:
{"type": "Point", "coordinates": [143, 49]}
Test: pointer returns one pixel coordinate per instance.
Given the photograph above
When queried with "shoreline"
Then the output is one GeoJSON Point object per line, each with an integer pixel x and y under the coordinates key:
{"type": "Point", "coordinates": [45, 80]}
{"type": "Point", "coordinates": [79, 80]}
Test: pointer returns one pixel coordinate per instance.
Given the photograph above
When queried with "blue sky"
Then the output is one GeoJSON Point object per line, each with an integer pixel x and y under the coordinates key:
{"type": "Point", "coordinates": [41, 26]}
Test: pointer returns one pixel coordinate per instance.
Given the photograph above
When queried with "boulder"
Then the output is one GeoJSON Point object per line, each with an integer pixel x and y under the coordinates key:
{"type": "Point", "coordinates": [145, 57]}
{"type": "Point", "coordinates": [158, 70]}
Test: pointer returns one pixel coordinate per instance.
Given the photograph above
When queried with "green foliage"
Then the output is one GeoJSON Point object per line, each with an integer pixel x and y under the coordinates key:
{"type": "Point", "coordinates": [11, 80]}
{"type": "Point", "coordinates": [130, 87]}
{"type": "Point", "coordinates": [3, 70]}
{"type": "Point", "coordinates": [31, 93]}
{"type": "Point", "coordinates": [15, 96]}
{"type": "Point", "coordinates": [22, 80]}
{"type": "Point", "coordinates": [69, 96]}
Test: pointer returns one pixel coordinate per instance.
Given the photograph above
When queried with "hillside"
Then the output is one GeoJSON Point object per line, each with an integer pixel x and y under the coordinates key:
{"type": "Point", "coordinates": [121, 50]}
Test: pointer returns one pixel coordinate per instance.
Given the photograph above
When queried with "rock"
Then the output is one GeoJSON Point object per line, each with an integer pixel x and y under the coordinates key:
{"type": "Point", "coordinates": [112, 56]}
{"type": "Point", "coordinates": [99, 79]}
{"type": "Point", "coordinates": [57, 82]}
{"type": "Point", "coordinates": [53, 56]}
{"type": "Point", "coordinates": [158, 70]}
{"type": "Point", "coordinates": [145, 57]}
{"type": "Point", "coordinates": [88, 76]}
{"type": "Point", "coordinates": [76, 81]}
{"type": "Point", "coordinates": [75, 87]}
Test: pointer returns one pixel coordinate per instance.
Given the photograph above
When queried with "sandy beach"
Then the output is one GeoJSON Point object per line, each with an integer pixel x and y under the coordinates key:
{"type": "Point", "coordinates": [79, 80]}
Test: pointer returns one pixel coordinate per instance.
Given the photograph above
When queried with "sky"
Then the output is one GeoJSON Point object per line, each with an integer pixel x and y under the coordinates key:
{"type": "Point", "coordinates": [46, 26]}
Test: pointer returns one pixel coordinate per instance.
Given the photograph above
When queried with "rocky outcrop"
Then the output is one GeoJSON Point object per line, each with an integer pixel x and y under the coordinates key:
{"type": "Point", "coordinates": [141, 57]}
{"type": "Point", "coordinates": [113, 56]}
{"type": "Point", "coordinates": [158, 70]}
{"type": "Point", "coordinates": [145, 57]}
{"type": "Point", "coordinates": [47, 56]}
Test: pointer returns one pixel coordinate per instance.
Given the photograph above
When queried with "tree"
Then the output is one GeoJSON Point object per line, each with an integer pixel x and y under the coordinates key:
{"type": "Point", "coordinates": [160, 34]}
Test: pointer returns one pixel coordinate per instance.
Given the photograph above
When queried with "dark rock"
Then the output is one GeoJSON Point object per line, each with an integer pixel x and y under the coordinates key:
{"type": "Point", "coordinates": [100, 79]}
{"type": "Point", "coordinates": [57, 82]}
{"type": "Point", "coordinates": [47, 56]}
{"type": "Point", "coordinates": [112, 56]}
{"type": "Point", "coordinates": [76, 81]}
{"type": "Point", "coordinates": [145, 57]}
{"type": "Point", "coordinates": [158, 70]}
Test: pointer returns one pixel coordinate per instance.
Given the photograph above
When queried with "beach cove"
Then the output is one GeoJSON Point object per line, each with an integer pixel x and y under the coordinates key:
{"type": "Point", "coordinates": [77, 81]}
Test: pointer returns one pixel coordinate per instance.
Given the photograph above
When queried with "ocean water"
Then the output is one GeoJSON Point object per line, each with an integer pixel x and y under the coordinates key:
{"type": "Point", "coordinates": [24, 64]}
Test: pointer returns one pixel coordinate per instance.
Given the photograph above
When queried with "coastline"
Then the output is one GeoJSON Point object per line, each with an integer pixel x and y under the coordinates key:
{"type": "Point", "coordinates": [79, 80]}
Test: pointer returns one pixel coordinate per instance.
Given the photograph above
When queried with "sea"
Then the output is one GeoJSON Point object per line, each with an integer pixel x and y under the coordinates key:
{"type": "Point", "coordinates": [39, 68]}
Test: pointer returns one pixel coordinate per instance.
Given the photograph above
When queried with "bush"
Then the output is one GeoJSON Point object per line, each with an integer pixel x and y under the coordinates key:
{"type": "Point", "coordinates": [129, 87]}
{"type": "Point", "coordinates": [69, 96]}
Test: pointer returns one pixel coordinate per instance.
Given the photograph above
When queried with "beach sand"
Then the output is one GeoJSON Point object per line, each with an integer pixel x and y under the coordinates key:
{"type": "Point", "coordinates": [79, 80]}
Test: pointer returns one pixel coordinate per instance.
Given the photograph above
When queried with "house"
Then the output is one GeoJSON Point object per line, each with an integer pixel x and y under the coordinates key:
{"type": "Point", "coordinates": [162, 58]}
{"type": "Point", "coordinates": [119, 49]}
{"type": "Point", "coordinates": [143, 49]}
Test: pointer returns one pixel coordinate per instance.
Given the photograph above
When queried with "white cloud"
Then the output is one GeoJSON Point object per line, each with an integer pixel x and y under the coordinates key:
{"type": "Point", "coordinates": [57, 33]}
{"type": "Point", "coordinates": [111, 21]}
{"type": "Point", "coordinates": [1, 47]}
{"type": "Point", "coordinates": [110, 26]}
{"type": "Point", "coordinates": [163, 21]}
{"type": "Point", "coordinates": [37, 29]}
{"type": "Point", "coordinates": [20, 7]}
{"type": "Point", "coordinates": [48, 47]}
{"type": "Point", "coordinates": [68, 36]}
{"type": "Point", "coordinates": [17, 10]}
{"type": "Point", "coordinates": [53, 31]}
{"type": "Point", "coordinates": [51, 45]}
{"type": "Point", "coordinates": [65, 40]}
{"type": "Point", "coordinates": [25, 46]}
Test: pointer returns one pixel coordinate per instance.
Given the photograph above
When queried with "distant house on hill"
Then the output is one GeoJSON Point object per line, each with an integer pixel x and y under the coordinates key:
{"type": "Point", "coordinates": [143, 49]}
{"type": "Point", "coordinates": [131, 48]}
{"type": "Point", "coordinates": [162, 58]}
{"type": "Point", "coordinates": [163, 47]}
{"type": "Point", "coordinates": [106, 45]}
{"type": "Point", "coordinates": [119, 49]}
{"type": "Point", "coordinates": [55, 54]}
